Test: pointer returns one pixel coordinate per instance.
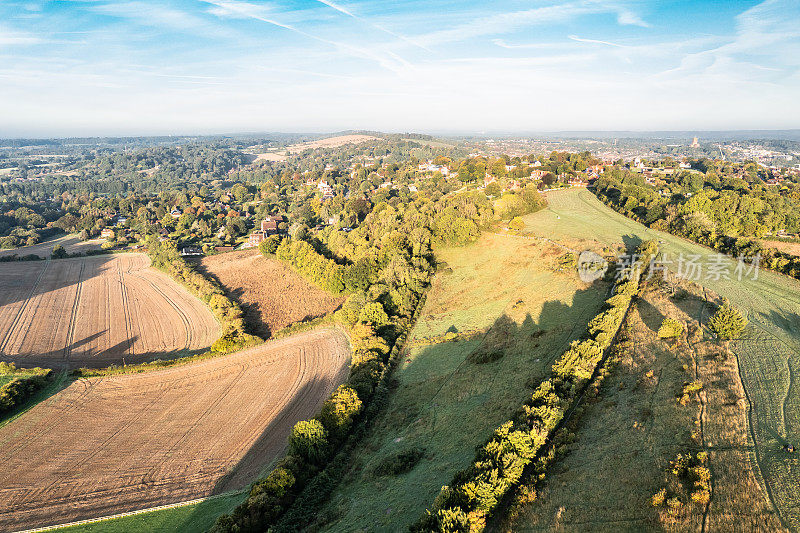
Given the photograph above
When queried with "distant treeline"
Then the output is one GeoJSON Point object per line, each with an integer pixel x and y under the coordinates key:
{"type": "Point", "coordinates": [709, 216]}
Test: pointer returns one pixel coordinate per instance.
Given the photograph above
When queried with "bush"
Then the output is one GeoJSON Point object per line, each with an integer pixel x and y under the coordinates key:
{"type": "Point", "coordinates": [670, 329]}
{"type": "Point", "coordinates": [517, 224]}
{"type": "Point", "coordinates": [728, 322]}
{"type": "Point", "coordinates": [399, 463]}
{"type": "Point", "coordinates": [309, 440]}
{"type": "Point", "coordinates": [58, 252]}
{"type": "Point", "coordinates": [21, 387]}
{"type": "Point", "coordinates": [268, 246]}
{"type": "Point", "coordinates": [339, 410]}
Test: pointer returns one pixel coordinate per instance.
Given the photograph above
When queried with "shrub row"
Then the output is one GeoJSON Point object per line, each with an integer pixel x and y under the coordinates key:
{"type": "Point", "coordinates": [323, 271]}
{"type": "Point", "coordinates": [165, 256]}
{"type": "Point", "coordinates": [22, 386]}
{"type": "Point", "coordinates": [475, 492]}
{"type": "Point", "coordinates": [319, 448]}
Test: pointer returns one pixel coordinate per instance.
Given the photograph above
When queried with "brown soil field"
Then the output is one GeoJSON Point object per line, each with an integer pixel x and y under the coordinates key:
{"type": "Point", "coordinates": [96, 311]}
{"type": "Point", "coordinates": [271, 294]}
{"type": "Point", "coordinates": [628, 433]}
{"type": "Point", "coordinates": [329, 142]}
{"type": "Point", "coordinates": [110, 445]}
{"type": "Point", "coordinates": [71, 243]}
{"type": "Point", "coordinates": [786, 247]}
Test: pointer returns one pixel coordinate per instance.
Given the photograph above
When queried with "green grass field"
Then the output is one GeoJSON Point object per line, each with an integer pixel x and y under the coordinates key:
{"type": "Point", "coordinates": [767, 355]}
{"type": "Point", "coordinates": [185, 519]}
{"type": "Point", "coordinates": [442, 403]}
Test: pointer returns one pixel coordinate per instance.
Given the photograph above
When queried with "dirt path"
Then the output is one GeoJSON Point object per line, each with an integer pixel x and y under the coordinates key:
{"type": "Point", "coordinates": [111, 445]}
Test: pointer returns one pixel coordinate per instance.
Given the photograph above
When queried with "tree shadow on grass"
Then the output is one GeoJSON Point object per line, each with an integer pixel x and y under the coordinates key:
{"type": "Point", "coordinates": [788, 321]}
{"type": "Point", "coordinates": [432, 382]}
{"type": "Point", "coordinates": [651, 316]}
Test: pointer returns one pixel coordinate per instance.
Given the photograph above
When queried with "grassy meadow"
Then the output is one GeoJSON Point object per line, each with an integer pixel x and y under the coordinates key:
{"type": "Point", "coordinates": [627, 434]}
{"type": "Point", "coordinates": [767, 354]}
{"type": "Point", "coordinates": [499, 297]}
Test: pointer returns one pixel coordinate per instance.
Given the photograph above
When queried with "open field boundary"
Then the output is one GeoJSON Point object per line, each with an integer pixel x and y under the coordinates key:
{"type": "Point", "coordinates": [131, 513]}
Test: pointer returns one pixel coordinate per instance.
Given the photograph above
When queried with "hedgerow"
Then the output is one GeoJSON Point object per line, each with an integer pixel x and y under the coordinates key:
{"type": "Point", "coordinates": [165, 256]}
{"type": "Point", "coordinates": [474, 493]}
{"type": "Point", "coordinates": [378, 320]}
{"type": "Point", "coordinates": [24, 383]}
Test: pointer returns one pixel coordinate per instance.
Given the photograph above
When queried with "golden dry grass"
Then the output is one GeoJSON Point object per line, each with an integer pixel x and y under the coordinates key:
{"type": "Point", "coordinates": [629, 433]}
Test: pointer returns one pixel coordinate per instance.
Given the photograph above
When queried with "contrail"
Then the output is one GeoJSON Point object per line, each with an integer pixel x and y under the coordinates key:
{"type": "Point", "coordinates": [349, 13]}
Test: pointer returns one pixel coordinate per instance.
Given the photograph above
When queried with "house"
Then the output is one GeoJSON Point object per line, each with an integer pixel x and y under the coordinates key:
{"type": "Point", "coordinates": [191, 251]}
{"type": "Point", "coordinates": [107, 233]}
{"type": "Point", "coordinates": [487, 179]}
{"type": "Point", "coordinates": [175, 213]}
{"type": "Point", "coordinates": [538, 174]}
{"type": "Point", "coordinates": [269, 226]}
{"type": "Point", "coordinates": [685, 165]}
{"type": "Point", "coordinates": [325, 189]}
{"type": "Point", "coordinates": [256, 238]}
{"type": "Point", "coordinates": [577, 181]}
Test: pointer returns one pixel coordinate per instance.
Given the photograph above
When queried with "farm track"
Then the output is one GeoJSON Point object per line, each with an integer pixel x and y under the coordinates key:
{"type": "Point", "coordinates": [128, 442]}
{"type": "Point", "coordinates": [98, 311]}
{"type": "Point", "coordinates": [765, 355]}
{"type": "Point", "coordinates": [74, 315]}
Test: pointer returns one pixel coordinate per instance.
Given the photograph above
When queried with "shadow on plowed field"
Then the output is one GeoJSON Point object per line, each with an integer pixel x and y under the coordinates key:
{"type": "Point", "coordinates": [269, 447]}
{"type": "Point", "coordinates": [21, 279]}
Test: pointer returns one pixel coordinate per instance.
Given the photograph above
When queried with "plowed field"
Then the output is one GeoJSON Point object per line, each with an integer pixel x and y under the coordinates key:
{"type": "Point", "coordinates": [272, 295]}
{"type": "Point", "coordinates": [110, 445]}
{"type": "Point", "coordinates": [96, 311]}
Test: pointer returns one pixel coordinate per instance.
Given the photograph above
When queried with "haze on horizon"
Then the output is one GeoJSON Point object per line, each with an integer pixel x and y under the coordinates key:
{"type": "Point", "coordinates": [129, 67]}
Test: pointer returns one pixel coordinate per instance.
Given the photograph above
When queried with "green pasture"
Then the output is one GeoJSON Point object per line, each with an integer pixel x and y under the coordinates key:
{"type": "Point", "coordinates": [767, 353]}
{"type": "Point", "coordinates": [183, 519]}
{"type": "Point", "coordinates": [443, 405]}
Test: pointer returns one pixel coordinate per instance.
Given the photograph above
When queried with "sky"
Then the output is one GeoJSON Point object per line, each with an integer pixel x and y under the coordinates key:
{"type": "Point", "coordinates": [135, 67]}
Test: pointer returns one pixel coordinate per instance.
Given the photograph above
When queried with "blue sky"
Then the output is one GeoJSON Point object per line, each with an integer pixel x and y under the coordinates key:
{"type": "Point", "coordinates": [75, 67]}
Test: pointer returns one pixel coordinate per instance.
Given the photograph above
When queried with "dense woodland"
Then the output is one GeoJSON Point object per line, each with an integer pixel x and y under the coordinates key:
{"type": "Point", "coordinates": [727, 207]}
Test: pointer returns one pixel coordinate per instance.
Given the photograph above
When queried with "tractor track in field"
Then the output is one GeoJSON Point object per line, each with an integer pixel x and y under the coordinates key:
{"type": "Point", "coordinates": [73, 315]}
{"type": "Point", "coordinates": [99, 311]}
{"type": "Point", "coordinates": [20, 312]}
{"type": "Point", "coordinates": [135, 441]}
